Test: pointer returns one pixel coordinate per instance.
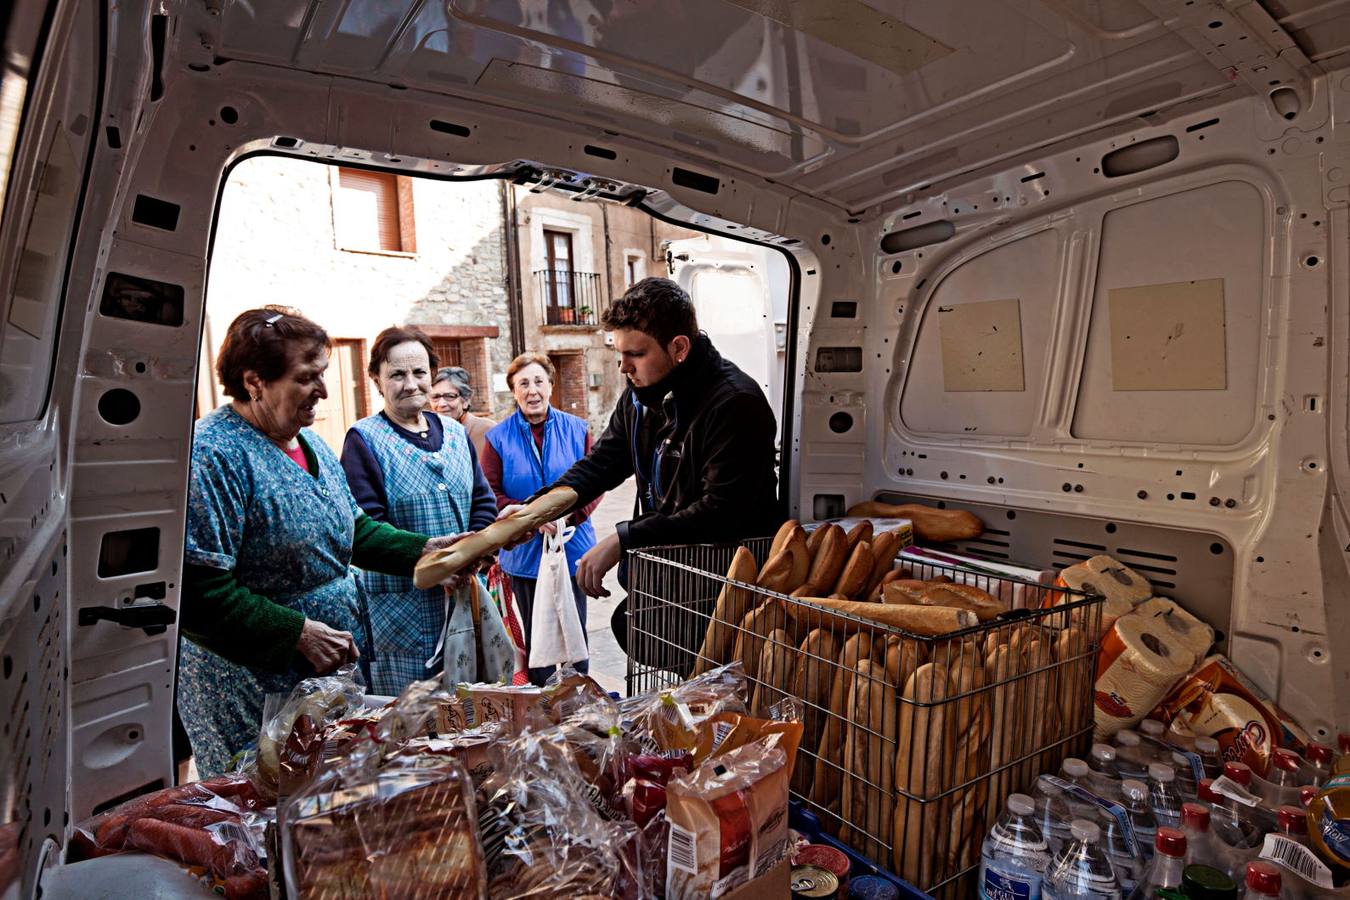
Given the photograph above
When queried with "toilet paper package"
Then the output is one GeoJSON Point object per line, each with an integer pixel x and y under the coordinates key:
{"type": "Point", "coordinates": [1219, 701]}
{"type": "Point", "coordinates": [1138, 665]}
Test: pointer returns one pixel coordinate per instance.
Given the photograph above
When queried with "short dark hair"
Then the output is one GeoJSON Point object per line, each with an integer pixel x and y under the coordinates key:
{"type": "Point", "coordinates": [262, 340]}
{"type": "Point", "coordinates": [390, 338]}
{"type": "Point", "coordinates": [655, 306]}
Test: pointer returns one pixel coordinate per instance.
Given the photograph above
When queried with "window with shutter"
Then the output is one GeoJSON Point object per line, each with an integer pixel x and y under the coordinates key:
{"type": "Point", "coordinates": [372, 212]}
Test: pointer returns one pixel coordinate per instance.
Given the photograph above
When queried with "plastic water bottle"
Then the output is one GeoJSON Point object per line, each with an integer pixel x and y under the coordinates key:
{"type": "Point", "coordinates": [1242, 775]}
{"type": "Point", "coordinates": [1283, 780]}
{"type": "Point", "coordinates": [1187, 786]}
{"type": "Point", "coordinates": [1208, 748]}
{"type": "Point", "coordinates": [1293, 824]}
{"type": "Point", "coordinates": [1105, 777]}
{"type": "Point", "coordinates": [1317, 763]}
{"type": "Point", "coordinates": [1077, 772]}
{"type": "Point", "coordinates": [1163, 796]}
{"type": "Point", "coordinates": [1152, 728]}
{"type": "Point", "coordinates": [1126, 856]}
{"type": "Point", "coordinates": [1134, 796]}
{"type": "Point", "coordinates": [1168, 866]}
{"type": "Point", "coordinates": [1263, 881]}
{"type": "Point", "coordinates": [1195, 824]}
{"type": "Point", "coordinates": [1082, 869]}
{"type": "Point", "coordinates": [1131, 758]}
{"type": "Point", "coordinates": [1015, 856]}
{"type": "Point", "coordinates": [1053, 814]}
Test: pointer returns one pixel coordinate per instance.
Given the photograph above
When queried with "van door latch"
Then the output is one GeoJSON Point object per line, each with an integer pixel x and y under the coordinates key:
{"type": "Point", "coordinates": [152, 618]}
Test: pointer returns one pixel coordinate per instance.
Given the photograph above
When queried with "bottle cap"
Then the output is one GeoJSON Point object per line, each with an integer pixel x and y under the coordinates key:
{"type": "Point", "coordinates": [1170, 842]}
{"type": "Point", "coordinates": [1205, 882]}
{"type": "Point", "coordinates": [1152, 728]}
{"type": "Point", "coordinates": [1075, 768]}
{"type": "Point", "coordinates": [1127, 738]}
{"type": "Point", "coordinates": [1263, 878]}
{"type": "Point", "coordinates": [1205, 791]}
{"type": "Point", "coordinates": [1207, 746]}
{"type": "Point", "coordinates": [1104, 752]}
{"type": "Point", "coordinates": [1293, 820]}
{"type": "Point", "coordinates": [1021, 804]}
{"type": "Point", "coordinates": [1319, 753]}
{"type": "Point", "coordinates": [1193, 815]}
{"type": "Point", "coordinates": [1307, 793]}
{"type": "Point", "coordinates": [1134, 790]}
{"type": "Point", "coordinates": [1083, 830]}
{"type": "Point", "coordinates": [1162, 772]}
{"type": "Point", "coordinates": [1239, 772]}
{"type": "Point", "coordinates": [1286, 759]}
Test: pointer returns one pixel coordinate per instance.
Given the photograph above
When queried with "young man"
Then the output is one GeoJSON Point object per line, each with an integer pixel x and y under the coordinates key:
{"type": "Point", "coordinates": [696, 431]}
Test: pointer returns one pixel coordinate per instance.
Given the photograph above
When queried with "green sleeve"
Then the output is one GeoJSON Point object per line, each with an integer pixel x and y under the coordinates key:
{"type": "Point", "coordinates": [220, 614]}
{"type": "Point", "coordinates": [380, 547]}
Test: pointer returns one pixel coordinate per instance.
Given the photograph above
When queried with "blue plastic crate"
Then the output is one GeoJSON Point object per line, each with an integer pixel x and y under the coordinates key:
{"type": "Point", "coordinates": [806, 822]}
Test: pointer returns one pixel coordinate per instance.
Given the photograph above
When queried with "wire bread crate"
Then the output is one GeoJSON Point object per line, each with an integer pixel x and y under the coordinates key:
{"type": "Point", "coordinates": [912, 743]}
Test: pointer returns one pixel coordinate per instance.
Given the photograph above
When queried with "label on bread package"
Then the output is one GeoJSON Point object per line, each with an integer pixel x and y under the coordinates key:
{"type": "Point", "coordinates": [1114, 810]}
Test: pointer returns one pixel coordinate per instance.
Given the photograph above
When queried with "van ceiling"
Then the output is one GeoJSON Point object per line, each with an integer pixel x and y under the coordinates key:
{"type": "Point", "coordinates": [854, 103]}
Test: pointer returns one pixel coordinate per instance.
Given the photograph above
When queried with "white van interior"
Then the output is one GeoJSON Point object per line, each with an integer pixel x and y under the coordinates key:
{"type": "Point", "coordinates": [959, 198]}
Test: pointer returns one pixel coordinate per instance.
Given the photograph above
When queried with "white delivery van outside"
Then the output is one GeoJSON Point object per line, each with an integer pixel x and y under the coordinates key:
{"type": "Point", "coordinates": [1078, 266]}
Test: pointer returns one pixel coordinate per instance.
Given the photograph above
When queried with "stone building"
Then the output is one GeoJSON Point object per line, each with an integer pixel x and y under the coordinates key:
{"type": "Point", "coordinates": [358, 251]}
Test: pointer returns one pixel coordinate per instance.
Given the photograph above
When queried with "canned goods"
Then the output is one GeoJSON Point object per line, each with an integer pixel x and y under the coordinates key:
{"type": "Point", "coordinates": [814, 882]}
{"type": "Point", "coordinates": [872, 887]}
{"type": "Point", "coordinates": [828, 858]}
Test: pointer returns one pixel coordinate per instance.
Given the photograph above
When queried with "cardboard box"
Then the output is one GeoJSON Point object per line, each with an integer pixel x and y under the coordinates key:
{"type": "Point", "coordinates": [774, 884]}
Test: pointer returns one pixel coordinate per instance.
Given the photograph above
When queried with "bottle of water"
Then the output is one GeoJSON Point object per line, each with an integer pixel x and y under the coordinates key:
{"type": "Point", "coordinates": [1293, 824]}
{"type": "Point", "coordinates": [1208, 748]}
{"type": "Point", "coordinates": [1105, 777]}
{"type": "Point", "coordinates": [1015, 856]}
{"type": "Point", "coordinates": [1131, 758]}
{"type": "Point", "coordinates": [1082, 869]}
{"type": "Point", "coordinates": [1125, 854]}
{"type": "Point", "coordinates": [1154, 730]}
{"type": "Point", "coordinates": [1263, 881]}
{"type": "Point", "coordinates": [1165, 872]}
{"type": "Point", "coordinates": [1187, 786]}
{"type": "Point", "coordinates": [1053, 814]}
{"type": "Point", "coordinates": [1163, 796]}
{"type": "Point", "coordinates": [1077, 772]}
{"type": "Point", "coordinates": [1317, 763]}
{"type": "Point", "coordinates": [1134, 797]}
{"type": "Point", "coordinates": [1283, 779]}
{"type": "Point", "coordinates": [1195, 824]}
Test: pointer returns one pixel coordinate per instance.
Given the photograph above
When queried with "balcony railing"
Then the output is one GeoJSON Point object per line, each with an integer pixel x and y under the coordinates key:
{"type": "Point", "coordinates": [567, 297]}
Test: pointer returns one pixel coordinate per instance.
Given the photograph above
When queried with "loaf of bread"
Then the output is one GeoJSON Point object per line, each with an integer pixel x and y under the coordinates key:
{"type": "Point", "coordinates": [922, 773]}
{"type": "Point", "coordinates": [1043, 726]}
{"type": "Point", "coordinates": [732, 605]}
{"type": "Point", "coordinates": [1073, 680]}
{"type": "Point", "coordinates": [857, 572]}
{"type": "Point", "coordinates": [777, 572]}
{"type": "Point", "coordinates": [963, 596]}
{"type": "Point", "coordinates": [903, 591]}
{"type": "Point", "coordinates": [438, 565]}
{"type": "Point", "coordinates": [869, 752]}
{"type": "Point", "coordinates": [772, 674]}
{"type": "Point", "coordinates": [884, 548]}
{"type": "Point", "coordinates": [859, 533]}
{"type": "Point", "coordinates": [875, 595]}
{"type": "Point", "coordinates": [813, 678]}
{"type": "Point", "coordinates": [784, 534]}
{"type": "Point", "coordinates": [821, 612]}
{"type": "Point", "coordinates": [829, 756]}
{"type": "Point", "coordinates": [754, 630]}
{"type": "Point", "coordinates": [1009, 713]}
{"type": "Point", "coordinates": [830, 557]}
{"type": "Point", "coordinates": [971, 721]}
{"type": "Point", "coordinates": [813, 540]}
{"type": "Point", "coordinates": [931, 525]}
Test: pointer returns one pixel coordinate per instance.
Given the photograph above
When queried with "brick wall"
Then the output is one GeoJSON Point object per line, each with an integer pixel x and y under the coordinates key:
{"type": "Point", "coordinates": [476, 359]}
{"type": "Point", "coordinates": [569, 383]}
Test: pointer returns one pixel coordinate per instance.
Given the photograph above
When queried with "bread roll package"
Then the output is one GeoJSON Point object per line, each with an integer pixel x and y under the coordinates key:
{"type": "Point", "coordinates": [728, 822]}
{"type": "Point", "coordinates": [1219, 701]}
{"type": "Point", "coordinates": [1139, 663]}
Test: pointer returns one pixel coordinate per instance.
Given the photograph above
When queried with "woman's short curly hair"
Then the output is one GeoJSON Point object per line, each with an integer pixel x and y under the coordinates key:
{"type": "Point", "coordinates": [529, 358]}
{"type": "Point", "coordinates": [265, 341]}
{"type": "Point", "coordinates": [390, 338]}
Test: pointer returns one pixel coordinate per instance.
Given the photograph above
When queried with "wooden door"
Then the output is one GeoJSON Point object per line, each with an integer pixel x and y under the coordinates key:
{"type": "Point", "coordinates": [558, 245]}
{"type": "Point", "coordinates": [346, 401]}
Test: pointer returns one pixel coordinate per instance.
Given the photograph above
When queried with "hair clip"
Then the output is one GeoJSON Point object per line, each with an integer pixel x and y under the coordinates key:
{"type": "Point", "coordinates": [272, 320]}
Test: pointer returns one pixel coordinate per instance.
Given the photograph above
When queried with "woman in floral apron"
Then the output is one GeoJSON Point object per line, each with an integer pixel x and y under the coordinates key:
{"type": "Point", "coordinates": [418, 470]}
{"type": "Point", "coordinates": [269, 596]}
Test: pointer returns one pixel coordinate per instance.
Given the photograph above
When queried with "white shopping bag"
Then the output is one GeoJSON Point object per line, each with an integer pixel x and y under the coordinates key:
{"type": "Point", "coordinates": [556, 635]}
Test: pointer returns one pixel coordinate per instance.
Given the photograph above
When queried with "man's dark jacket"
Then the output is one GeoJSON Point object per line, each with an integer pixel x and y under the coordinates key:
{"type": "Point", "coordinates": [701, 443]}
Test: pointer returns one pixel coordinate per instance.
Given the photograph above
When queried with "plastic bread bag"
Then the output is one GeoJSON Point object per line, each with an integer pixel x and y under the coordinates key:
{"type": "Point", "coordinates": [542, 836]}
{"type": "Point", "coordinates": [669, 720]}
{"type": "Point", "coordinates": [291, 737]}
{"type": "Point", "coordinates": [210, 824]}
{"type": "Point", "coordinates": [727, 821]}
{"type": "Point", "coordinates": [391, 833]}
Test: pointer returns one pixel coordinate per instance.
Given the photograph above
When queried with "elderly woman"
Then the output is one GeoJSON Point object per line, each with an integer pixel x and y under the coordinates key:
{"type": "Point", "coordinates": [418, 470]}
{"type": "Point", "coordinates": [531, 449]}
{"type": "Point", "coordinates": [452, 395]}
{"type": "Point", "coordinates": [269, 596]}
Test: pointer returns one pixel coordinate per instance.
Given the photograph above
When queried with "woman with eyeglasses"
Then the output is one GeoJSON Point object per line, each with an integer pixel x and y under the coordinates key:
{"type": "Point", "coordinates": [452, 395]}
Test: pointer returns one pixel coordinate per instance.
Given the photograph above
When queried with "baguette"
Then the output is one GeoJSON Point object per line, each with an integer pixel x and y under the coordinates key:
{"type": "Point", "coordinates": [821, 612]}
{"type": "Point", "coordinates": [858, 534]}
{"type": "Point", "coordinates": [963, 596]}
{"type": "Point", "coordinates": [930, 524]}
{"type": "Point", "coordinates": [869, 782]}
{"type": "Point", "coordinates": [829, 758]}
{"type": "Point", "coordinates": [1002, 666]}
{"type": "Point", "coordinates": [853, 580]}
{"type": "Point", "coordinates": [830, 557]}
{"type": "Point", "coordinates": [732, 605]}
{"type": "Point", "coordinates": [971, 721]}
{"type": "Point", "coordinates": [819, 656]}
{"type": "Point", "coordinates": [813, 540]}
{"type": "Point", "coordinates": [755, 628]}
{"type": "Point", "coordinates": [777, 572]}
{"type": "Point", "coordinates": [1044, 724]}
{"type": "Point", "coordinates": [438, 565]}
{"type": "Point", "coordinates": [875, 595]}
{"type": "Point", "coordinates": [772, 668]}
{"type": "Point", "coordinates": [1073, 679]}
{"type": "Point", "coordinates": [784, 534]}
{"type": "Point", "coordinates": [801, 560]}
{"type": "Point", "coordinates": [922, 761]}
{"type": "Point", "coordinates": [903, 591]}
{"type": "Point", "coordinates": [884, 548]}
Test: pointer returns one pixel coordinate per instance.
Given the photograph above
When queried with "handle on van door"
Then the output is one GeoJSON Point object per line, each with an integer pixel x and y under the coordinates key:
{"type": "Point", "coordinates": [152, 618]}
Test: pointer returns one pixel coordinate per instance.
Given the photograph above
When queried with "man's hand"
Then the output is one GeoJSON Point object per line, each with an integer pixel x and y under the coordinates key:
{"type": "Point", "coordinates": [463, 576]}
{"type": "Point", "coordinates": [326, 648]}
{"type": "Point", "coordinates": [592, 567]}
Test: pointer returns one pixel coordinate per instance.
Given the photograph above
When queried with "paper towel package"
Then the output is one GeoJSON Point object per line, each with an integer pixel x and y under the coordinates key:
{"type": "Point", "coordinates": [1180, 625]}
{"type": "Point", "coordinates": [1104, 576]}
{"type": "Point", "coordinates": [1138, 665]}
